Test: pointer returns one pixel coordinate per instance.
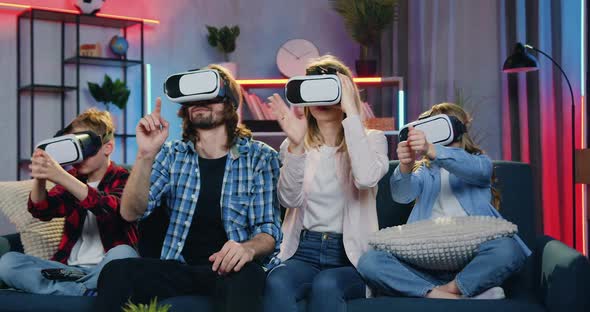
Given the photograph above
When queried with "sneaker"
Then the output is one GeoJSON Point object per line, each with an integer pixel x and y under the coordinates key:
{"type": "Point", "coordinates": [491, 294]}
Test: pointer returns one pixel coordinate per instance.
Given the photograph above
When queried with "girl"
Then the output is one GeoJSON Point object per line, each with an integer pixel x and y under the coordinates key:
{"type": "Point", "coordinates": [328, 182]}
{"type": "Point", "coordinates": [450, 181]}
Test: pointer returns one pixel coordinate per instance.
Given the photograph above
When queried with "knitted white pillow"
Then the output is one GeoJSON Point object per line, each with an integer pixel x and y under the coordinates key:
{"type": "Point", "coordinates": [441, 244]}
{"type": "Point", "coordinates": [39, 238]}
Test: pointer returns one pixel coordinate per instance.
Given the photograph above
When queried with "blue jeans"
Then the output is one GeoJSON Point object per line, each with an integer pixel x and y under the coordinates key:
{"type": "Point", "coordinates": [494, 262]}
{"type": "Point", "coordinates": [23, 272]}
{"type": "Point", "coordinates": [320, 271]}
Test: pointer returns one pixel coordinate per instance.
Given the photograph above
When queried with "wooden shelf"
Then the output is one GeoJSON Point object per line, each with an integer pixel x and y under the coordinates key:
{"type": "Point", "coordinates": [101, 61]}
{"type": "Point", "coordinates": [46, 88]}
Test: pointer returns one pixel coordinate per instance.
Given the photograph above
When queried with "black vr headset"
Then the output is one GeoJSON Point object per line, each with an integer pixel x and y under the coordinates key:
{"type": "Point", "coordinates": [321, 86]}
{"type": "Point", "coordinates": [69, 149]}
{"type": "Point", "coordinates": [205, 86]}
{"type": "Point", "coordinates": [438, 129]}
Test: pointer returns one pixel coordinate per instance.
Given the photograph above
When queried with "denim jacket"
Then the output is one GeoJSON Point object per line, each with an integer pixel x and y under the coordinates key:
{"type": "Point", "coordinates": [470, 179]}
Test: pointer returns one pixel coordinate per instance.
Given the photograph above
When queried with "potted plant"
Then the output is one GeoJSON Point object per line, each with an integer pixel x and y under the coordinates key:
{"type": "Point", "coordinates": [364, 21]}
{"type": "Point", "coordinates": [224, 39]}
{"type": "Point", "coordinates": [115, 93]}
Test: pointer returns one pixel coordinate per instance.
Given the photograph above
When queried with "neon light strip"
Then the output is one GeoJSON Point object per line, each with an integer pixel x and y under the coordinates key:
{"type": "Point", "coordinates": [127, 18]}
{"type": "Point", "coordinates": [583, 125]}
{"type": "Point", "coordinates": [262, 82]}
{"type": "Point", "coordinates": [583, 186]}
{"type": "Point", "coordinates": [368, 80]}
{"type": "Point", "coordinates": [148, 75]}
{"type": "Point", "coordinates": [281, 82]}
{"type": "Point", "coordinates": [15, 6]}
{"type": "Point", "coordinates": [583, 46]}
{"type": "Point", "coordinates": [401, 109]}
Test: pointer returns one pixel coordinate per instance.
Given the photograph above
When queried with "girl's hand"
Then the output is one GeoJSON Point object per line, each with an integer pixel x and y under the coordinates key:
{"type": "Point", "coordinates": [406, 157]}
{"type": "Point", "coordinates": [418, 143]}
{"type": "Point", "coordinates": [349, 98]}
{"type": "Point", "coordinates": [295, 128]}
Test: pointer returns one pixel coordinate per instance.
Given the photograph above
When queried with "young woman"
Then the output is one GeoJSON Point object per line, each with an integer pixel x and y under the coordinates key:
{"type": "Point", "coordinates": [449, 181]}
{"type": "Point", "coordinates": [328, 182]}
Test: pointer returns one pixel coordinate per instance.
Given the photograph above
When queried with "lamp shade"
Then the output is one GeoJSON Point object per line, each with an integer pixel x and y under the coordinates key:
{"type": "Point", "coordinates": [520, 61]}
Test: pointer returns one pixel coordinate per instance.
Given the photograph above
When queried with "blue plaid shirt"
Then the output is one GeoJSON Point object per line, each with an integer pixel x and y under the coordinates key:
{"type": "Point", "coordinates": [249, 202]}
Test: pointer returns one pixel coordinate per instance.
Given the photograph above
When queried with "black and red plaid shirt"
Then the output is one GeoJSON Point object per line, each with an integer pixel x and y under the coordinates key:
{"type": "Point", "coordinates": [104, 202]}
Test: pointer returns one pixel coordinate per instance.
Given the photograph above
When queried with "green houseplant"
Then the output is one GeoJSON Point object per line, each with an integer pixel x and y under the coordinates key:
{"type": "Point", "coordinates": [224, 39]}
{"type": "Point", "coordinates": [365, 20]}
{"type": "Point", "coordinates": [115, 93]}
{"type": "Point", "coordinates": [151, 307]}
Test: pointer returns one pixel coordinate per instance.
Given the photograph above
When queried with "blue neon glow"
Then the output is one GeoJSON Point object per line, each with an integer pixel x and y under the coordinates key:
{"type": "Point", "coordinates": [148, 75]}
{"type": "Point", "coordinates": [583, 46]}
{"type": "Point", "coordinates": [401, 109]}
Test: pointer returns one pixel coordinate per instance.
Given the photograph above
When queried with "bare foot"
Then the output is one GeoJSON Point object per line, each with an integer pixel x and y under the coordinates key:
{"type": "Point", "coordinates": [450, 287]}
{"type": "Point", "coordinates": [436, 293]}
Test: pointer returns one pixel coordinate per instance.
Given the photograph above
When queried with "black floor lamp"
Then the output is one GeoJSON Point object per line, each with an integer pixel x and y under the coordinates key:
{"type": "Point", "coordinates": [521, 61]}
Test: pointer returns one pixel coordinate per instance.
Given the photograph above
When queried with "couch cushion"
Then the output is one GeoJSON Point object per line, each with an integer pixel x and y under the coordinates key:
{"type": "Point", "coordinates": [447, 243]}
{"type": "Point", "coordinates": [39, 238]}
{"type": "Point", "coordinates": [13, 301]}
{"type": "Point", "coordinates": [421, 304]}
{"type": "Point", "coordinates": [188, 303]}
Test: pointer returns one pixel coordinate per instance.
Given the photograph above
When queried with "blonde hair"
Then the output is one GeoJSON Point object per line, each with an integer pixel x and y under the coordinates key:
{"type": "Point", "coordinates": [230, 113]}
{"type": "Point", "coordinates": [466, 141]}
{"type": "Point", "coordinates": [99, 122]}
{"type": "Point", "coordinates": [313, 137]}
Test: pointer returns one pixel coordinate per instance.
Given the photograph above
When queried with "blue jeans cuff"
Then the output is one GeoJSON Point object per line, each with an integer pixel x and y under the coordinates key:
{"type": "Point", "coordinates": [426, 290]}
{"type": "Point", "coordinates": [462, 288]}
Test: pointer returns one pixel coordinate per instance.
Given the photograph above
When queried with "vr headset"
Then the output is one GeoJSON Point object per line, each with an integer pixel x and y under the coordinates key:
{"type": "Point", "coordinates": [198, 87]}
{"type": "Point", "coordinates": [315, 90]}
{"type": "Point", "coordinates": [438, 129]}
{"type": "Point", "coordinates": [320, 87]}
{"type": "Point", "coordinates": [73, 148]}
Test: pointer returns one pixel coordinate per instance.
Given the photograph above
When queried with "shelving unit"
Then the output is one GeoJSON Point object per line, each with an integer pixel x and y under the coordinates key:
{"type": "Point", "coordinates": [67, 19]}
{"type": "Point", "coordinates": [271, 129]}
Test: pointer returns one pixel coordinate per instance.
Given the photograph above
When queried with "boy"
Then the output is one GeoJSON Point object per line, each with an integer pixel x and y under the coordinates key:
{"type": "Point", "coordinates": [88, 197]}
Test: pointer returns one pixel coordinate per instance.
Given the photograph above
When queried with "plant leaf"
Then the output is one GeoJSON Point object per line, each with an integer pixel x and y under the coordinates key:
{"type": "Point", "coordinates": [212, 37]}
{"type": "Point", "coordinates": [107, 89]}
{"type": "Point", "coordinates": [365, 19]}
{"type": "Point", "coordinates": [227, 40]}
{"type": "Point", "coordinates": [235, 31]}
{"type": "Point", "coordinates": [96, 91]}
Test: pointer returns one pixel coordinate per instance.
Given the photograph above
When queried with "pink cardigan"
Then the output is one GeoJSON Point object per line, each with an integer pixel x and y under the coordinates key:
{"type": "Point", "coordinates": [359, 172]}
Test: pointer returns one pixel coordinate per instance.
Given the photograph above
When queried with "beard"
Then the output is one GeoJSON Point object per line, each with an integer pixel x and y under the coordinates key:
{"type": "Point", "coordinates": [208, 120]}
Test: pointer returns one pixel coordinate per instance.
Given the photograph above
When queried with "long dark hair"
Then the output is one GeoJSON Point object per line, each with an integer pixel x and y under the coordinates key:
{"type": "Point", "coordinates": [230, 113]}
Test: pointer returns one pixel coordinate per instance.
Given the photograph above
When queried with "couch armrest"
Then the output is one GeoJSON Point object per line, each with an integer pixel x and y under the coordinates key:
{"type": "Point", "coordinates": [14, 243]}
{"type": "Point", "coordinates": [563, 275]}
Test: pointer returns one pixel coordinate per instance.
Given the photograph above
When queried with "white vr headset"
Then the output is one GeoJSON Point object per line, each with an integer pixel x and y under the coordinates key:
{"type": "Point", "coordinates": [313, 90]}
{"type": "Point", "coordinates": [199, 86]}
{"type": "Point", "coordinates": [438, 129]}
{"type": "Point", "coordinates": [73, 148]}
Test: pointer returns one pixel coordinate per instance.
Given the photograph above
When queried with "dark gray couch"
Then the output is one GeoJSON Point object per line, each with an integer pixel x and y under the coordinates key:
{"type": "Point", "coordinates": [556, 278]}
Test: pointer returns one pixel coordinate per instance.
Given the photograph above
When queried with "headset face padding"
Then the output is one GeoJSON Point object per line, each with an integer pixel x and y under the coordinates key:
{"type": "Point", "coordinates": [458, 128]}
